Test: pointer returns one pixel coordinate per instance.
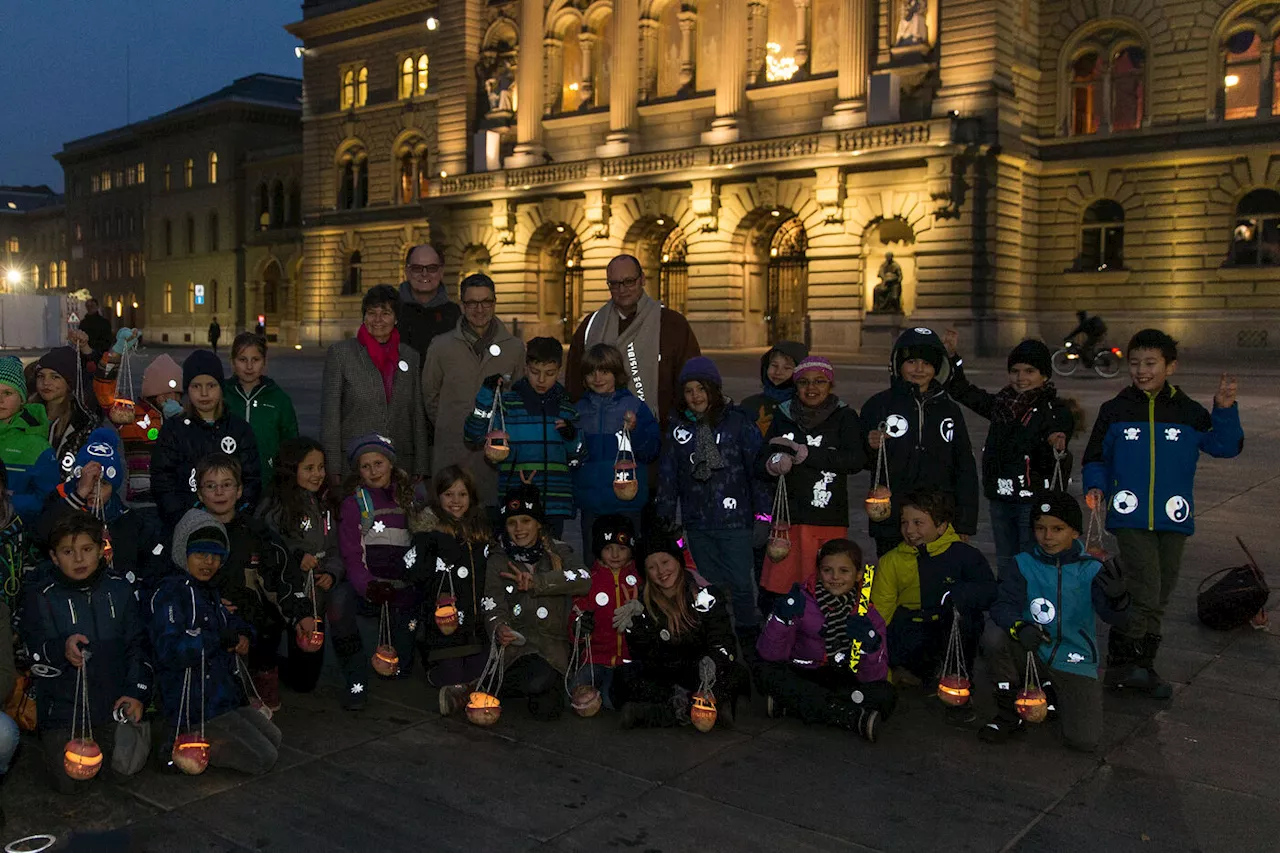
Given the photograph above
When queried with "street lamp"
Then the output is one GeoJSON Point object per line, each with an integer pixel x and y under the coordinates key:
{"type": "Point", "coordinates": [13, 277]}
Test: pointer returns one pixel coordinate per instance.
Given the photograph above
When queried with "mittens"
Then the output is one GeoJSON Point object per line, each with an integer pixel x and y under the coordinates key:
{"type": "Point", "coordinates": [861, 628]}
{"type": "Point", "coordinates": [789, 606]}
{"type": "Point", "coordinates": [798, 452]}
{"type": "Point", "coordinates": [568, 431]}
{"type": "Point", "coordinates": [1030, 635]}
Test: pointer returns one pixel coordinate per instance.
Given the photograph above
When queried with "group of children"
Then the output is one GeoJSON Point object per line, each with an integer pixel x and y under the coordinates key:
{"type": "Point", "coordinates": [657, 622]}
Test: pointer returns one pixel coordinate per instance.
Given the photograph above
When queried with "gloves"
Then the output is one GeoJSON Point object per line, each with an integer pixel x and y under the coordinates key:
{"type": "Point", "coordinates": [1110, 579]}
{"type": "Point", "coordinates": [229, 637]}
{"type": "Point", "coordinates": [779, 465]}
{"type": "Point", "coordinates": [568, 431]}
{"type": "Point", "coordinates": [587, 622]}
{"type": "Point", "coordinates": [492, 381]}
{"type": "Point", "coordinates": [625, 615]}
{"type": "Point", "coordinates": [379, 592]}
{"type": "Point", "coordinates": [789, 606]}
{"type": "Point", "coordinates": [798, 452]}
{"type": "Point", "coordinates": [860, 628]}
{"type": "Point", "coordinates": [1030, 636]}
{"type": "Point", "coordinates": [760, 534]}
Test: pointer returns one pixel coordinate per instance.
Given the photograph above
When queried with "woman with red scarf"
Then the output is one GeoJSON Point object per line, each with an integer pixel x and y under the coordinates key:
{"type": "Point", "coordinates": [371, 386]}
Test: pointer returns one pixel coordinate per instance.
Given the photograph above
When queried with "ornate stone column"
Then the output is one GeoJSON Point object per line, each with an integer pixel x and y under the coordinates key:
{"type": "Point", "coordinates": [757, 38]}
{"type": "Point", "coordinates": [688, 21]}
{"type": "Point", "coordinates": [1266, 91]}
{"type": "Point", "coordinates": [587, 81]}
{"type": "Point", "coordinates": [625, 83]}
{"type": "Point", "coordinates": [802, 35]}
{"type": "Point", "coordinates": [529, 150]}
{"type": "Point", "coordinates": [553, 75]}
{"type": "Point", "coordinates": [732, 80]}
{"type": "Point", "coordinates": [853, 61]}
{"type": "Point", "coordinates": [648, 46]}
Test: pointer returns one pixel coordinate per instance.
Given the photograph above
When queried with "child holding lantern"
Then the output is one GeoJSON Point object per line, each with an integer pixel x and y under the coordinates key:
{"type": "Point", "coordinates": [614, 582]}
{"type": "Point", "coordinates": [621, 438]}
{"type": "Point", "coordinates": [87, 641]}
{"type": "Point", "coordinates": [1047, 605]}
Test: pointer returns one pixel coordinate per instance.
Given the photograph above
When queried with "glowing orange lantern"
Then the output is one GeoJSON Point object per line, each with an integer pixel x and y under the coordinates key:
{"type": "Point", "coordinates": [386, 661]}
{"type": "Point", "coordinates": [312, 641]}
{"type": "Point", "coordinates": [879, 503]}
{"type": "Point", "coordinates": [483, 709]}
{"type": "Point", "coordinates": [625, 484]}
{"type": "Point", "coordinates": [953, 690]}
{"type": "Point", "coordinates": [122, 411]}
{"type": "Point", "coordinates": [1032, 705]}
{"type": "Point", "coordinates": [497, 445]}
{"type": "Point", "coordinates": [446, 614]}
{"type": "Point", "coordinates": [586, 700]}
{"type": "Point", "coordinates": [703, 711]}
{"type": "Point", "coordinates": [190, 753]}
{"type": "Point", "coordinates": [82, 758]}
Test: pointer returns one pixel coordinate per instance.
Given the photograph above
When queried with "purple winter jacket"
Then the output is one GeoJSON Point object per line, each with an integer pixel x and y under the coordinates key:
{"type": "Point", "coordinates": [800, 643]}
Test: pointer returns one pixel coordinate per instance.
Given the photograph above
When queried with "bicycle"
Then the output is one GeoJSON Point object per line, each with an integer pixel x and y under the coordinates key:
{"type": "Point", "coordinates": [1106, 361]}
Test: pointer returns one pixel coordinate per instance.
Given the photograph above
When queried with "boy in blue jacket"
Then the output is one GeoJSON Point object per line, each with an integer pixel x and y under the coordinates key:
{"type": "Point", "coordinates": [1046, 604]}
{"type": "Point", "coordinates": [541, 425]}
{"type": "Point", "coordinates": [81, 610]}
{"type": "Point", "coordinates": [1141, 460]}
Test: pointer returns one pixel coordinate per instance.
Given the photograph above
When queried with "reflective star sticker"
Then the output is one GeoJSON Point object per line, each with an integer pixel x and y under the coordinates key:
{"type": "Point", "coordinates": [379, 527]}
{"type": "Point", "coordinates": [357, 688]}
{"type": "Point", "coordinates": [570, 575]}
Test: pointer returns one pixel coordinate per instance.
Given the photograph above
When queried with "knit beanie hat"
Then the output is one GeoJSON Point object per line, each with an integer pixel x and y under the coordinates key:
{"type": "Point", "coordinates": [523, 499]}
{"type": "Point", "coordinates": [63, 361]}
{"type": "Point", "coordinates": [208, 540]}
{"type": "Point", "coordinates": [701, 369]}
{"type": "Point", "coordinates": [11, 374]}
{"type": "Point", "coordinates": [162, 376]}
{"type": "Point", "coordinates": [612, 530]}
{"type": "Point", "coordinates": [102, 446]}
{"type": "Point", "coordinates": [198, 532]}
{"type": "Point", "coordinates": [1059, 505]}
{"type": "Point", "coordinates": [370, 443]}
{"type": "Point", "coordinates": [1034, 353]}
{"type": "Point", "coordinates": [662, 542]}
{"type": "Point", "coordinates": [202, 362]}
{"type": "Point", "coordinates": [819, 364]}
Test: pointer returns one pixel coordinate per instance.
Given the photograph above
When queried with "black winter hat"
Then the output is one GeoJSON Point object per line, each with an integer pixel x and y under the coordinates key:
{"type": "Point", "coordinates": [202, 362]}
{"type": "Point", "coordinates": [1059, 505]}
{"type": "Point", "coordinates": [1034, 353]}
{"type": "Point", "coordinates": [523, 499]}
{"type": "Point", "coordinates": [63, 361]}
{"type": "Point", "coordinates": [662, 541]}
{"type": "Point", "coordinates": [924, 343]}
{"type": "Point", "coordinates": [612, 530]}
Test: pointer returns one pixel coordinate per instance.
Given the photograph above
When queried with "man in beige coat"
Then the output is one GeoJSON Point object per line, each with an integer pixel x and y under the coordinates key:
{"type": "Point", "coordinates": [457, 364]}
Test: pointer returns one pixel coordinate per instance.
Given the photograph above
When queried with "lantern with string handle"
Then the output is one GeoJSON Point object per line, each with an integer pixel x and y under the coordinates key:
{"type": "Point", "coordinates": [585, 698]}
{"type": "Point", "coordinates": [626, 484]}
{"type": "Point", "coordinates": [483, 705]}
{"type": "Point", "coordinates": [81, 757]}
{"type": "Point", "coordinates": [779, 544]}
{"type": "Point", "coordinates": [123, 409]}
{"type": "Point", "coordinates": [446, 612]}
{"type": "Point", "coordinates": [1093, 536]}
{"type": "Point", "coordinates": [702, 713]}
{"type": "Point", "coordinates": [497, 444]}
{"type": "Point", "coordinates": [386, 660]}
{"type": "Point", "coordinates": [251, 690]}
{"type": "Point", "coordinates": [313, 640]}
{"type": "Point", "coordinates": [879, 502]}
{"type": "Point", "coordinates": [190, 747]}
{"type": "Point", "coordinates": [953, 681]}
{"type": "Point", "coordinates": [1032, 704]}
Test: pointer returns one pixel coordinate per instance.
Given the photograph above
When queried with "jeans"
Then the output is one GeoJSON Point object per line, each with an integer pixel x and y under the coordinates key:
{"type": "Point", "coordinates": [724, 559]}
{"type": "Point", "coordinates": [1011, 527]}
{"type": "Point", "coordinates": [589, 519]}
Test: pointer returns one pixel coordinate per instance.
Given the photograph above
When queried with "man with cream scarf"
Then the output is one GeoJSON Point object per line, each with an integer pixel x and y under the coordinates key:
{"type": "Point", "coordinates": [655, 342]}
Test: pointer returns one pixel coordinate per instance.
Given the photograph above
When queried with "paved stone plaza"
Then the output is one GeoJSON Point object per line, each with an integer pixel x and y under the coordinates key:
{"type": "Point", "coordinates": [1197, 773]}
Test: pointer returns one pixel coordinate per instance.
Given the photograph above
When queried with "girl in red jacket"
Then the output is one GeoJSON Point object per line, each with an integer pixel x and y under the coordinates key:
{"type": "Point", "coordinates": [614, 582]}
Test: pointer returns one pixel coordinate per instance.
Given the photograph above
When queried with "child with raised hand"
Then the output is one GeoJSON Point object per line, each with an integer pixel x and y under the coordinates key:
{"type": "Point", "coordinates": [823, 659]}
{"type": "Point", "coordinates": [529, 588]}
{"type": "Point", "coordinates": [1048, 604]}
{"type": "Point", "coordinates": [254, 396]}
{"type": "Point", "coordinates": [777, 371]}
{"type": "Point", "coordinates": [541, 426]}
{"type": "Point", "coordinates": [614, 582]}
{"type": "Point", "coordinates": [707, 470]}
{"type": "Point", "coordinates": [374, 539]}
{"type": "Point", "coordinates": [1141, 459]}
{"type": "Point", "coordinates": [81, 610]}
{"type": "Point", "coordinates": [1030, 427]}
{"type": "Point", "coordinates": [919, 584]}
{"type": "Point", "coordinates": [24, 444]}
{"type": "Point", "coordinates": [606, 407]}
{"type": "Point", "coordinates": [924, 435]}
{"type": "Point", "coordinates": [451, 545]}
{"type": "Point", "coordinates": [815, 442]}
{"type": "Point", "coordinates": [192, 629]}
{"type": "Point", "coordinates": [205, 426]}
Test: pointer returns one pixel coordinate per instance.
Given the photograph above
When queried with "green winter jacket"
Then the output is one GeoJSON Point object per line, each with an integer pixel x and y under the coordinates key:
{"type": "Point", "coordinates": [269, 412]}
{"type": "Point", "coordinates": [32, 471]}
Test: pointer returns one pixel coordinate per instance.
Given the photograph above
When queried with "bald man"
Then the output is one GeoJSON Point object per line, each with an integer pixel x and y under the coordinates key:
{"type": "Point", "coordinates": [655, 342]}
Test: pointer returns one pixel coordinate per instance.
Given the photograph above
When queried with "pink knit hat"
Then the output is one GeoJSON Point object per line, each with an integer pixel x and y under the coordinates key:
{"type": "Point", "coordinates": [818, 363]}
{"type": "Point", "coordinates": [163, 375]}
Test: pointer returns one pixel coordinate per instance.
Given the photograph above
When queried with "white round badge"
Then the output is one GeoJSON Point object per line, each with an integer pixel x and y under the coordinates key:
{"type": "Point", "coordinates": [495, 350]}
{"type": "Point", "coordinates": [463, 571]}
{"type": "Point", "coordinates": [542, 613]}
{"type": "Point", "coordinates": [404, 366]}
{"type": "Point", "coordinates": [631, 580]}
{"type": "Point", "coordinates": [664, 634]}
{"type": "Point", "coordinates": [602, 598]}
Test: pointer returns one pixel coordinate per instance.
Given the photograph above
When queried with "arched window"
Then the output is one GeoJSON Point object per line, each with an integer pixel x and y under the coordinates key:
{"type": "Point", "coordinates": [1105, 76]}
{"type": "Point", "coordinates": [673, 274]}
{"type": "Point", "coordinates": [213, 167]}
{"type": "Point", "coordinates": [362, 87]}
{"type": "Point", "coordinates": [1255, 240]}
{"type": "Point", "coordinates": [348, 88]}
{"type": "Point", "coordinates": [578, 60]}
{"type": "Point", "coordinates": [411, 159]}
{"type": "Point", "coordinates": [188, 173]}
{"type": "Point", "coordinates": [53, 275]}
{"type": "Point", "coordinates": [62, 273]}
{"type": "Point", "coordinates": [351, 282]}
{"type": "Point", "coordinates": [406, 78]}
{"type": "Point", "coordinates": [1128, 94]}
{"type": "Point", "coordinates": [353, 177]}
{"type": "Point", "coordinates": [168, 298]}
{"type": "Point", "coordinates": [1101, 237]}
{"type": "Point", "coordinates": [788, 293]}
{"type": "Point", "coordinates": [1086, 105]}
{"type": "Point", "coordinates": [1242, 76]}
{"type": "Point", "coordinates": [422, 74]}
{"type": "Point", "coordinates": [35, 275]}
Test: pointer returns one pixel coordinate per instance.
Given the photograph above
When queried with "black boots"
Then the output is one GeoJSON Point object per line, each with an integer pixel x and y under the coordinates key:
{"type": "Point", "coordinates": [1130, 665]}
{"type": "Point", "coordinates": [850, 717]}
{"type": "Point", "coordinates": [355, 671]}
{"type": "Point", "coordinates": [1006, 723]}
{"type": "Point", "coordinates": [1158, 688]}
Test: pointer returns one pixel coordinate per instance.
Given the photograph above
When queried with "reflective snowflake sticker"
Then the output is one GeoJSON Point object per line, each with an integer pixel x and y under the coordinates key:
{"type": "Point", "coordinates": [570, 575]}
{"type": "Point", "coordinates": [357, 688]}
{"type": "Point", "coordinates": [379, 527]}
{"type": "Point", "coordinates": [411, 557]}
{"type": "Point", "coordinates": [488, 603]}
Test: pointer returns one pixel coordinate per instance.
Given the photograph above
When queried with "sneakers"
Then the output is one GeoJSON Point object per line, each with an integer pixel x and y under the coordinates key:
{"type": "Point", "coordinates": [850, 717]}
{"type": "Point", "coordinates": [267, 685]}
{"type": "Point", "coordinates": [453, 698]}
{"type": "Point", "coordinates": [868, 724]}
{"type": "Point", "coordinates": [1000, 730]}
{"type": "Point", "coordinates": [773, 708]}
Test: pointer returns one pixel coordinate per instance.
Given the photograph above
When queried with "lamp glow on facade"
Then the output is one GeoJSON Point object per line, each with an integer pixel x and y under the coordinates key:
{"type": "Point", "coordinates": [432, 24]}
{"type": "Point", "coordinates": [1231, 80]}
{"type": "Point", "coordinates": [13, 276]}
{"type": "Point", "coordinates": [778, 68]}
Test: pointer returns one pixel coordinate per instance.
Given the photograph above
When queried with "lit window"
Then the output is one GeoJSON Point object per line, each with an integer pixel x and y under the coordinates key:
{"type": "Point", "coordinates": [213, 167]}
{"type": "Point", "coordinates": [1128, 94]}
{"type": "Point", "coordinates": [35, 275]}
{"type": "Point", "coordinates": [422, 73]}
{"type": "Point", "coordinates": [191, 297]}
{"type": "Point", "coordinates": [12, 245]}
{"type": "Point", "coordinates": [142, 173]}
{"type": "Point", "coordinates": [1086, 106]}
{"type": "Point", "coordinates": [406, 78]}
{"type": "Point", "coordinates": [106, 181]}
{"type": "Point", "coordinates": [131, 176]}
{"type": "Point", "coordinates": [119, 184]}
{"type": "Point", "coordinates": [62, 273]}
{"type": "Point", "coordinates": [133, 265]}
{"type": "Point", "coordinates": [93, 269]}
{"type": "Point", "coordinates": [348, 89]}
{"type": "Point", "coordinates": [168, 298]}
{"type": "Point", "coordinates": [1242, 77]}
{"type": "Point", "coordinates": [362, 89]}
{"type": "Point", "coordinates": [189, 173]}
{"type": "Point", "coordinates": [53, 275]}
{"type": "Point", "coordinates": [95, 184]}
{"type": "Point", "coordinates": [1255, 239]}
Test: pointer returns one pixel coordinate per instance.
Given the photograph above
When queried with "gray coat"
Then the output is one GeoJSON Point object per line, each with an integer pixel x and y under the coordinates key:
{"type": "Point", "coordinates": [352, 404]}
{"type": "Point", "coordinates": [450, 380]}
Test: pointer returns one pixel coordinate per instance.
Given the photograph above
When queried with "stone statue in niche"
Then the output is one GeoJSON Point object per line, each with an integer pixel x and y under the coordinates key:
{"type": "Point", "coordinates": [886, 297]}
{"type": "Point", "coordinates": [913, 28]}
{"type": "Point", "coordinates": [497, 82]}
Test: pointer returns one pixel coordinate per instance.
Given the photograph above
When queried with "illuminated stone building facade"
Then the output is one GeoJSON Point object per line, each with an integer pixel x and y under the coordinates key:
{"type": "Point", "coordinates": [1019, 159]}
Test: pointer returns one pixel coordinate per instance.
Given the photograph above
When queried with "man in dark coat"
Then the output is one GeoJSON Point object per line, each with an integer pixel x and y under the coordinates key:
{"type": "Point", "coordinates": [425, 309]}
{"type": "Point", "coordinates": [97, 327]}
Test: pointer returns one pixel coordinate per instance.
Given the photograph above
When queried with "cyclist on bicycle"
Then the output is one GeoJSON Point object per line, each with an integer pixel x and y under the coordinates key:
{"type": "Point", "coordinates": [1093, 330]}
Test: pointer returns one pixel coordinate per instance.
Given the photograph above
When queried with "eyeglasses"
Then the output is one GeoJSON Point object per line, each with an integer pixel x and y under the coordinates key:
{"type": "Point", "coordinates": [473, 304]}
{"type": "Point", "coordinates": [626, 283]}
{"type": "Point", "coordinates": [812, 383]}
{"type": "Point", "coordinates": [423, 269]}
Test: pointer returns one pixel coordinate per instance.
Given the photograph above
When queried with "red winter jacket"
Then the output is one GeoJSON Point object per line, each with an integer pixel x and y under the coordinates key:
{"type": "Point", "coordinates": [608, 591]}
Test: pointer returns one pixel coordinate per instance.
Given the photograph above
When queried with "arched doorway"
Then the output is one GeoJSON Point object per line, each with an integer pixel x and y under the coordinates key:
{"type": "Point", "coordinates": [787, 294]}
{"type": "Point", "coordinates": [673, 274]}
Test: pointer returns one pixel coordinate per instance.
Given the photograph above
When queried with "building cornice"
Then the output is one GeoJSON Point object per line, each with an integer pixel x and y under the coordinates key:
{"type": "Point", "coordinates": [360, 16]}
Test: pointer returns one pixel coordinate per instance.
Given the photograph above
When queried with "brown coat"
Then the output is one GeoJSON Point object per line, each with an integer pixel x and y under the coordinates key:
{"type": "Point", "coordinates": [541, 614]}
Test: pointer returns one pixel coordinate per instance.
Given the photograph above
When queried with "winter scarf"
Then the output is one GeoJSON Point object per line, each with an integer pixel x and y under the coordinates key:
{"type": "Point", "coordinates": [835, 611]}
{"type": "Point", "coordinates": [779, 393]}
{"type": "Point", "coordinates": [1014, 407]}
{"type": "Point", "coordinates": [706, 453]}
{"type": "Point", "coordinates": [383, 356]}
{"type": "Point", "coordinates": [479, 343]}
{"type": "Point", "coordinates": [639, 343]}
{"type": "Point", "coordinates": [528, 555]}
{"type": "Point", "coordinates": [810, 418]}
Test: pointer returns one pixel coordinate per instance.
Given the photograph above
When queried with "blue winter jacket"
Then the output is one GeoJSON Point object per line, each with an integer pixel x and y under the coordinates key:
{"type": "Point", "coordinates": [1059, 593]}
{"type": "Point", "coordinates": [187, 617]}
{"type": "Point", "coordinates": [102, 608]}
{"type": "Point", "coordinates": [1143, 454]}
{"type": "Point", "coordinates": [600, 420]}
{"type": "Point", "coordinates": [730, 499]}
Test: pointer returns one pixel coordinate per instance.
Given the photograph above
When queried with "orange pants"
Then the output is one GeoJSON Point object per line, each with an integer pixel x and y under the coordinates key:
{"type": "Point", "coordinates": [801, 562]}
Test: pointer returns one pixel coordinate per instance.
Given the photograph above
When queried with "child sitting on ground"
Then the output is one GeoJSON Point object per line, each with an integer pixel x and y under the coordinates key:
{"type": "Point", "coordinates": [1048, 605]}
{"type": "Point", "coordinates": [614, 582]}
{"type": "Point", "coordinates": [80, 612]}
{"type": "Point", "coordinates": [541, 426]}
{"type": "Point", "coordinates": [777, 367]}
{"type": "Point", "coordinates": [193, 633]}
{"type": "Point", "coordinates": [921, 582]}
{"type": "Point", "coordinates": [822, 650]}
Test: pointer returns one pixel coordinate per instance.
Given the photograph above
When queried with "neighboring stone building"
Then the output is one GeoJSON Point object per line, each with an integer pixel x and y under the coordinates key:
{"type": "Point", "coordinates": [33, 239]}
{"type": "Point", "coordinates": [165, 212]}
{"type": "Point", "coordinates": [1021, 160]}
